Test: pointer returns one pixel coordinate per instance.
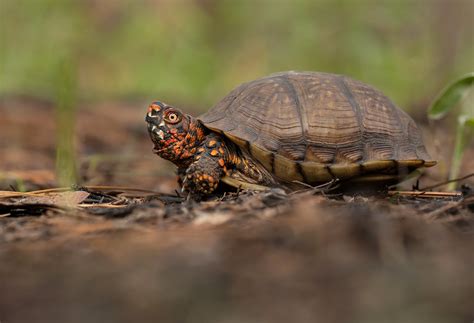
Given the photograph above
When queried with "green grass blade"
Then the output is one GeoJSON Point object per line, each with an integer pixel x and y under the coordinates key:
{"type": "Point", "coordinates": [450, 96]}
{"type": "Point", "coordinates": [66, 170]}
{"type": "Point", "coordinates": [457, 154]}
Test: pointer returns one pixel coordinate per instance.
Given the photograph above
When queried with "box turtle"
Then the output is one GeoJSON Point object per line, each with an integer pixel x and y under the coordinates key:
{"type": "Point", "coordinates": [290, 129]}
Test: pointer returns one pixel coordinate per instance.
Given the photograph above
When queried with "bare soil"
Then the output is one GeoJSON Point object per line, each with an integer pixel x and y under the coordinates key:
{"type": "Point", "coordinates": [112, 255]}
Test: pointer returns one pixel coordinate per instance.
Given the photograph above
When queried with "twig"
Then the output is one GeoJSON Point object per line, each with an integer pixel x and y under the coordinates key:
{"type": "Point", "coordinates": [425, 194]}
{"type": "Point", "coordinates": [65, 189]}
{"type": "Point", "coordinates": [447, 182]}
{"type": "Point", "coordinates": [31, 193]}
{"type": "Point", "coordinates": [325, 187]}
{"type": "Point", "coordinates": [119, 188]}
{"type": "Point", "coordinates": [103, 205]}
{"type": "Point", "coordinates": [438, 212]}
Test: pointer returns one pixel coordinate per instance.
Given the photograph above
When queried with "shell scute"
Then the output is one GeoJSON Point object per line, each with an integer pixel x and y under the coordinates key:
{"type": "Point", "coordinates": [312, 127]}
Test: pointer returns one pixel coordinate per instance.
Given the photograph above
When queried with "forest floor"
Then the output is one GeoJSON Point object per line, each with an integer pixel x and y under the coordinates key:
{"type": "Point", "coordinates": [119, 254]}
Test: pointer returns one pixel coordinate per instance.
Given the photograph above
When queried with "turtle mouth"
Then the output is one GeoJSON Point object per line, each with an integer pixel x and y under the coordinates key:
{"type": "Point", "coordinates": [155, 124]}
{"type": "Point", "coordinates": [155, 132]}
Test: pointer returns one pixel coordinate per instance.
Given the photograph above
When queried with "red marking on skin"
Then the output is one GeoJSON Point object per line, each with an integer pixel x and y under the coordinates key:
{"type": "Point", "coordinates": [234, 159]}
{"type": "Point", "coordinates": [211, 143]}
{"type": "Point", "coordinates": [181, 143]}
{"type": "Point", "coordinates": [186, 154]}
{"type": "Point", "coordinates": [154, 107]}
{"type": "Point", "coordinates": [200, 133]}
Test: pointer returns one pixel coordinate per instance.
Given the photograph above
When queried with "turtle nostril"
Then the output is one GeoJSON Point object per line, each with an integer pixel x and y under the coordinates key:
{"type": "Point", "coordinates": [152, 113]}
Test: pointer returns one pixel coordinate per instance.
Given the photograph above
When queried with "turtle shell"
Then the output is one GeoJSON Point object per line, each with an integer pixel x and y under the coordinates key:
{"type": "Point", "coordinates": [313, 127]}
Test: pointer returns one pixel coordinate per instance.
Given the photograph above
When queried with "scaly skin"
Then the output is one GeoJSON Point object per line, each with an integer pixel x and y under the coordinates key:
{"type": "Point", "coordinates": [203, 157]}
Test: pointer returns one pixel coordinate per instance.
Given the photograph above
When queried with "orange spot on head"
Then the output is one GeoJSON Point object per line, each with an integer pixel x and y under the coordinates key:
{"type": "Point", "coordinates": [154, 107]}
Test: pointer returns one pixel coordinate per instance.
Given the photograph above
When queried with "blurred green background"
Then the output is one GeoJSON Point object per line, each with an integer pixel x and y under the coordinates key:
{"type": "Point", "coordinates": [194, 52]}
{"type": "Point", "coordinates": [70, 69]}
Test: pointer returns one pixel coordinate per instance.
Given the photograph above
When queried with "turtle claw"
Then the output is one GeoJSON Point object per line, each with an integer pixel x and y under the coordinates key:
{"type": "Point", "coordinates": [184, 184]}
{"type": "Point", "coordinates": [199, 182]}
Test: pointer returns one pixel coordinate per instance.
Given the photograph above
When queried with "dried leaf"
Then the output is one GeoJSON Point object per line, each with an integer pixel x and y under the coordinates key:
{"type": "Point", "coordinates": [63, 199]}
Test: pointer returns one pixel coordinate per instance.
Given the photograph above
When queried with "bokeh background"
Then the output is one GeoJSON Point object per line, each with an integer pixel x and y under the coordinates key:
{"type": "Point", "coordinates": [76, 76]}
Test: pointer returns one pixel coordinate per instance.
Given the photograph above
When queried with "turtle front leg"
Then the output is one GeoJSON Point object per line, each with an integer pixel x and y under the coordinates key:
{"type": "Point", "coordinates": [205, 172]}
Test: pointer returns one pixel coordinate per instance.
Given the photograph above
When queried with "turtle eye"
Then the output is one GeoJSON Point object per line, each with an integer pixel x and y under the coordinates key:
{"type": "Point", "coordinates": [172, 117]}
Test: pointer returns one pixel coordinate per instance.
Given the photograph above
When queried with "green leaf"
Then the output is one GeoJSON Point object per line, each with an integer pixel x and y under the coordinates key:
{"type": "Point", "coordinates": [450, 96]}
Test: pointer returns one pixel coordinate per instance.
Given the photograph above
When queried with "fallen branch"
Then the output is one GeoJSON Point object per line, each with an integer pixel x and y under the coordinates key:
{"type": "Point", "coordinates": [8, 194]}
{"type": "Point", "coordinates": [447, 182]}
{"type": "Point", "coordinates": [425, 194]}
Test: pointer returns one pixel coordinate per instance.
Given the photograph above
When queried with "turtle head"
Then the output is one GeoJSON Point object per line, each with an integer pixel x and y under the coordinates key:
{"type": "Point", "coordinates": [165, 123]}
{"type": "Point", "coordinates": [173, 133]}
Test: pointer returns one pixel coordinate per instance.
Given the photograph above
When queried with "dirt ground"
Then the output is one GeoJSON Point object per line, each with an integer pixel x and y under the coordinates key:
{"type": "Point", "coordinates": [241, 257]}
